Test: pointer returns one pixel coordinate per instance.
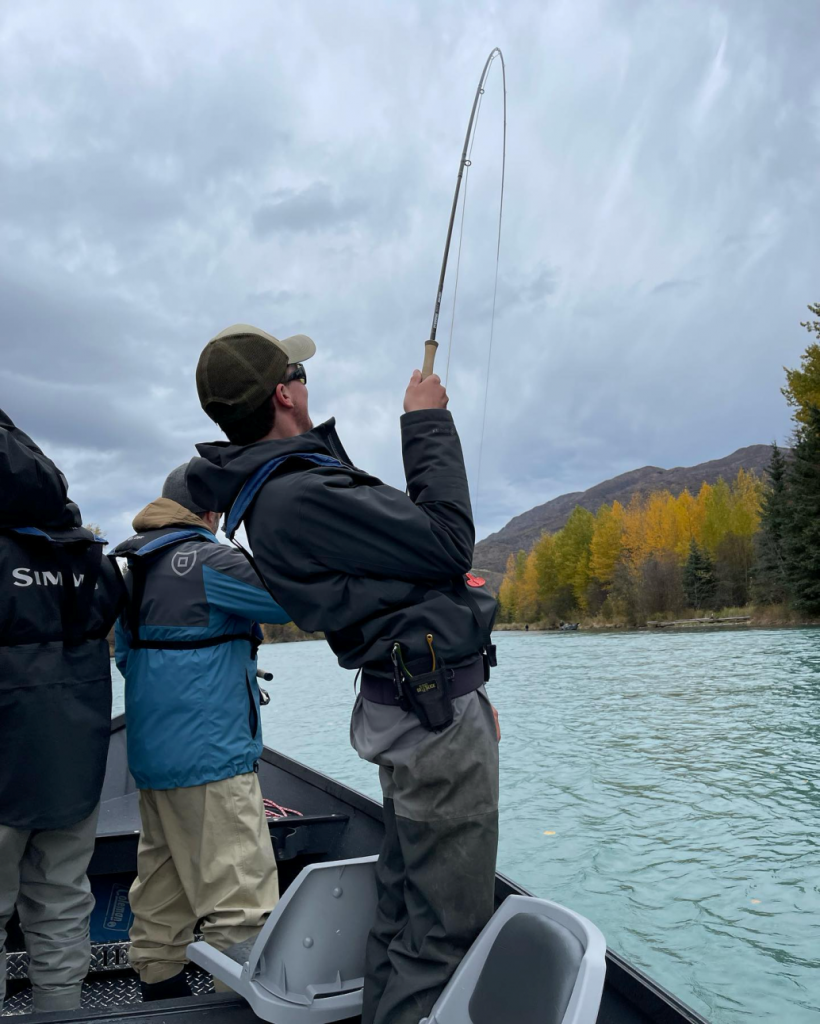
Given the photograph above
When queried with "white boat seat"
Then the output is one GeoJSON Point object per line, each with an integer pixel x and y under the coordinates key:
{"type": "Point", "coordinates": [535, 962]}
{"type": "Point", "coordinates": [306, 966]}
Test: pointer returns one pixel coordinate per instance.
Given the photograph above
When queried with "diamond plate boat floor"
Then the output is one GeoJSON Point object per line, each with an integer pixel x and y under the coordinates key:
{"type": "Point", "coordinates": [115, 991]}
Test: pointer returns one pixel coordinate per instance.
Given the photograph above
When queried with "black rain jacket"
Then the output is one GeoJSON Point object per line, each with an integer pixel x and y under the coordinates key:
{"type": "Point", "coordinates": [346, 554]}
{"type": "Point", "coordinates": [59, 596]}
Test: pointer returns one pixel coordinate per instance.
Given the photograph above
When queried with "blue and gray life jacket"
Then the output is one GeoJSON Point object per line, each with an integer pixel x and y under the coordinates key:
{"type": "Point", "coordinates": [187, 647]}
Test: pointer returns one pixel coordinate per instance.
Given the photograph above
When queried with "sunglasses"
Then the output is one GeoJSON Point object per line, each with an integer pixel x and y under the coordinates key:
{"type": "Point", "coordinates": [297, 372]}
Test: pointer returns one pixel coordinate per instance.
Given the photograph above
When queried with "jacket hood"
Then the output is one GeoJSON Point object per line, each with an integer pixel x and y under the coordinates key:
{"type": "Point", "coordinates": [160, 517]}
{"type": "Point", "coordinates": [165, 512]}
{"type": "Point", "coordinates": [216, 478]}
{"type": "Point", "coordinates": [34, 491]}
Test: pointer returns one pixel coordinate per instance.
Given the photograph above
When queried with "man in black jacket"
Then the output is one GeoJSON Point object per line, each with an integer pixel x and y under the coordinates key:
{"type": "Point", "coordinates": [386, 576]}
{"type": "Point", "coordinates": [58, 599]}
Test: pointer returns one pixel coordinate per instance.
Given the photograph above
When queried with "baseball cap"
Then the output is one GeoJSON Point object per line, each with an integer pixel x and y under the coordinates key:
{"type": "Point", "coordinates": [239, 369]}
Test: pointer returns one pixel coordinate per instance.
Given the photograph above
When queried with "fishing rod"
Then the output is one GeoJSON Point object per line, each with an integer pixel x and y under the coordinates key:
{"type": "Point", "coordinates": [431, 344]}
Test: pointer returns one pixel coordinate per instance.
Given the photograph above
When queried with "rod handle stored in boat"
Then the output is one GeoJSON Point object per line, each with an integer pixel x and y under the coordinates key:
{"type": "Point", "coordinates": [430, 347]}
{"type": "Point", "coordinates": [262, 674]}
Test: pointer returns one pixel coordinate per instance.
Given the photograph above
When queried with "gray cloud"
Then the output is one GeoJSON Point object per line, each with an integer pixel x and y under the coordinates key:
{"type": "Point", "coordinates": [170, 168]}
{"type": "Point", "coordinates": [312, 209]}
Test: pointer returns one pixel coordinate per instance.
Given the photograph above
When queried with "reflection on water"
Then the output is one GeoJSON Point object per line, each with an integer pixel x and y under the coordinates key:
{"type": "Point", "coordinates": [665, 785]}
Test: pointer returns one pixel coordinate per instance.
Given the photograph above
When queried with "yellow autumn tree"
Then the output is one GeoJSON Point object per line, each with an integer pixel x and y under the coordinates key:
{"type": "Point", "coordinates": [747, 495]}
{"type": "Point", "coordinates": [546, 574]}
{"type": "Point", "coordinates": [634, 544]}
{"type": "Point", "coordinates": [572, 545]}
{"type": "Point", "coordinates": [527, 604]}
{"type": "Point", "coordinates": [607, 543]}
{"type": "Point", "coordinates": [660, 524]}
{"type": "Point", "coordinates": [717, 521]}
{"type": "Point", "coordinates": [689, 515]}
{"type": "Point", "coordinates": [802, 390]}
{"type": "Point", "coordinates": [506, 593]}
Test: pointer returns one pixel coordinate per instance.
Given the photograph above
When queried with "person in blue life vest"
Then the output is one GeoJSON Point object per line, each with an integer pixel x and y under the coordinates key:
{"type": "Point", "coordinates": [59, 596]}
{"type": "Point", "coordinates": [385, 574]}
{"type": "Point", "coordinates": [186, 645]}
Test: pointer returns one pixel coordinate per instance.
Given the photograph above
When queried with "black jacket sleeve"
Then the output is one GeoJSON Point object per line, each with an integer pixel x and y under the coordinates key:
{"type": "Point", "coordinates": [366, 530]}
{"type": "Point", "coordinates": [32, 489]}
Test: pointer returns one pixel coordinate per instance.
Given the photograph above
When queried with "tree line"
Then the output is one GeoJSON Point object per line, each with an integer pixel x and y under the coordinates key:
{"type": "Point", "coordinates": [732, 543]}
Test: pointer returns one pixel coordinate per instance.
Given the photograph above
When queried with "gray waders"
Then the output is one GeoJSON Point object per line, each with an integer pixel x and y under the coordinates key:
{"type": "Point", "coordinates": [436, 870]}
{"type": "Point", "coordinates": [43, 873]}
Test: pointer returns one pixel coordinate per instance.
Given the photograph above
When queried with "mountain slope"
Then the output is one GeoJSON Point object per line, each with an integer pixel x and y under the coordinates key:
{"type": "Point", "coordinates": [523, 531]}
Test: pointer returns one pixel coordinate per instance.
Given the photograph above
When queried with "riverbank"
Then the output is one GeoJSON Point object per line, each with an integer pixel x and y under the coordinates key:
{"type": "Point", "coordinates": [751, 616]}
{"type": "Point", "coordinates": [288, 633]}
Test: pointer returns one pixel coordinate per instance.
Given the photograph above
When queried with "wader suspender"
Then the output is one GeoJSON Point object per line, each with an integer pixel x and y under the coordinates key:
{"type": "Point", "coordinates": [77, 597]}
{"type": "Point", "coordinates": [254, 566]}
{"type": "Point", "coordinates": [247, 494]}
{"type": "Point", "coordinates": [138, 577]}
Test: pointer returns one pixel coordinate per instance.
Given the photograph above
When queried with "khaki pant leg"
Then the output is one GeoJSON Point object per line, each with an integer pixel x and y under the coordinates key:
{"type": "Point", "coordinates": [13, 842]}
{"type": "Point", "coordinates": [219, 839]}
{"type": "Point", "coordinates": [163, 917]}
{"type": "Point", "coordinates": [55, 905]}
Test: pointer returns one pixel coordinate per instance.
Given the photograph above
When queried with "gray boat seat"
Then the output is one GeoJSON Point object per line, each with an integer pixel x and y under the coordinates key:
{"type": "Point", "coordinates": [306, 966]}
{"type": "Point", "coordinates": [536, 962]}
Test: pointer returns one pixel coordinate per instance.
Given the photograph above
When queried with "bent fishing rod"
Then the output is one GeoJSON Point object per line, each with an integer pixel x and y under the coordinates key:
{"type": "Point", "coordinates": [431, 344]}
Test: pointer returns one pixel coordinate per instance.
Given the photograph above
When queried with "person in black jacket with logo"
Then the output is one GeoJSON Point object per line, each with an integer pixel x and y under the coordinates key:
{"type": "Point", "coordinates": [59, 597]}
{"type": "Point", "coordinates": [385, 574]}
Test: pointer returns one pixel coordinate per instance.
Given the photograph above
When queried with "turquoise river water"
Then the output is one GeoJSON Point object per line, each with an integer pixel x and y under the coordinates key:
{"type": "Point", "coordinates": [663, 784]}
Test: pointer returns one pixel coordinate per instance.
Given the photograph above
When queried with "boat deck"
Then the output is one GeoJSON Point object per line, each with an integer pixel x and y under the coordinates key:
{"type": "Point", "coordinates": [116, 1001]}
{"type": "Point", "coordinates": [109, 990]}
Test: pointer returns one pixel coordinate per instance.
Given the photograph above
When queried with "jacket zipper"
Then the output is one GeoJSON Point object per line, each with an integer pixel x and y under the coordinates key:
{"type": "Point", "coordinates": [253, 714]}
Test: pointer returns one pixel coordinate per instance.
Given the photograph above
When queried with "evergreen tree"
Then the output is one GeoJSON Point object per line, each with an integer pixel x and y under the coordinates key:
{"type": "Point", "coordinates": [699, 583]}
{"type": "Point", "coordinates": [801, 540]}
{"type": "Point", "coordinates": [770, 572]}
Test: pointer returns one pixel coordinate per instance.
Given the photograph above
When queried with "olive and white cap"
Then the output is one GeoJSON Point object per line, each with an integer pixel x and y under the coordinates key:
{"type": "Point", "coordinates": [240, 367]}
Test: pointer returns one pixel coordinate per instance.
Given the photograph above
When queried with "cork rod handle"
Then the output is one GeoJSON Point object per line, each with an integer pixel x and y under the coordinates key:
{"type": "Point", "coordinates": [429, 358]}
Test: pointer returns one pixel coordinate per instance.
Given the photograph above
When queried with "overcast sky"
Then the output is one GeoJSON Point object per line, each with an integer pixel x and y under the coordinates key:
{"type": "Point", "coordinates": [170, 168]}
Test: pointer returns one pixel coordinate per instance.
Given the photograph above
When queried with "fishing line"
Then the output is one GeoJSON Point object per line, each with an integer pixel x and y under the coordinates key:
{"type": "Point", "coordinates": [458, 268]}
{"type": "Point", "coordinates": [431, 345]}
{"type": "Point", "coordinates": [495, 287]}
{"type": "Point", "coordinates": [460, 240]}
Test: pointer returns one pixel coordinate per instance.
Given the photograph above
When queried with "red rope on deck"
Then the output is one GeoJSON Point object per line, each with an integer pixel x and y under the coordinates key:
{"type": "Point", "coordinates": [275, 810]}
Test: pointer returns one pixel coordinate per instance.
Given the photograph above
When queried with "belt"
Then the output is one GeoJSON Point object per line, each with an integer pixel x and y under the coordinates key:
{"type": "Point", "coordinates": [463, 681]}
